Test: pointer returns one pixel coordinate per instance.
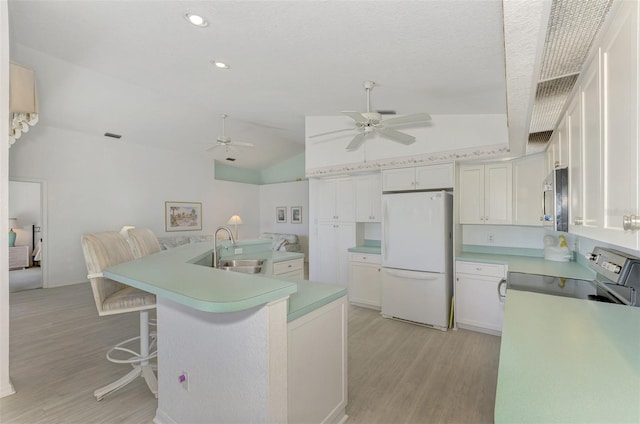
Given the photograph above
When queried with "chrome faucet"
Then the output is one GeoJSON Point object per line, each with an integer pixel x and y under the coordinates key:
{"type": "Point", "coordinates": [216, 260]}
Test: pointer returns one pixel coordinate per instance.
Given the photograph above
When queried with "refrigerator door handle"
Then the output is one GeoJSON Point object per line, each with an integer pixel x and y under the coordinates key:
{"type": "Point", "coordinates": [416, 275]}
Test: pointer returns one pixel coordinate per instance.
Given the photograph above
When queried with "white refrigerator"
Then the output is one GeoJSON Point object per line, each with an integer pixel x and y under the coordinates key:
{"type": "Point", "coordinates": [417, 273]}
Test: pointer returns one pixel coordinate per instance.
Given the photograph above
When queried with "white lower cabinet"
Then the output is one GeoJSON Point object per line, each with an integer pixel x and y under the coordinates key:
{"type": "Point", "coordinates": [364, 280]}
{"type": "Point", "coordinates": [289, 269]}
{"type": "Point", "coordinates": [317, 364]}
{"type": "Point", "coordinates": [478, 305]}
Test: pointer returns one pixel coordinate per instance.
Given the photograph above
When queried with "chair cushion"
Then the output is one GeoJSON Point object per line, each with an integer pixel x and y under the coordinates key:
{"type": "Point", "coordinates": [128, 298]}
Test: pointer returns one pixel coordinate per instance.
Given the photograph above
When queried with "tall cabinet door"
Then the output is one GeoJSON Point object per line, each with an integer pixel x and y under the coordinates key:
{"type": "Point", "coordinates": [591, 150]}
{"type": "Point", "coordinates": [345, 200]}
{"type": "Point", "coordinates": [528, 174]}
{"type": "Point", "coordinates": [620, 111]}
{"type": "Point", "coordinates": [326, 270]}
{"type": "Point", "coordinates": [574, 125]}
{"type": "Point", "coordinates": [472, 194]}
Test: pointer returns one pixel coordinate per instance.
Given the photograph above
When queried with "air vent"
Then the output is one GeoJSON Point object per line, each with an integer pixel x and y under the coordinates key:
{"type": "Point", "coordinates": [573, 26]}
{"type": "Point", "coordinates": [112, 135]}
{"type": "Point", "coordinates": [540, 137]}
{"type": "Point", "coordinates": [231, 159]}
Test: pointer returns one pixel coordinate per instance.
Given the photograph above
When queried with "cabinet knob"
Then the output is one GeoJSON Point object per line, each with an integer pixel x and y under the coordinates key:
{"type": "Point", "coordinates": [631, 222]}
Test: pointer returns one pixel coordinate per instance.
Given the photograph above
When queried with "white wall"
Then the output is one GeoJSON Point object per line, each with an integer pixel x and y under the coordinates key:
{"type": "Point", "coordinates": [98, 183]}
{"type": "Point", "coordinates": [285, 194]}
{"type": "Point", "coordinates": [6, 388]}
{"type": "Point", "coordinates": [231, 198]}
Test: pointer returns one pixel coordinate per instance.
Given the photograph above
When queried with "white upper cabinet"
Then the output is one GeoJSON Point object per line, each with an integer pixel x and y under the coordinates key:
{"type": "Point", "coordinates": [528, 175]}
{"type": "Point", "coordinates": [418, 178]}
{"type": "Point", "coordinates": [336, 200]}
{"type": "Point", "coordinates": [368, 190]}
{"type": "Point", "coordinates": [485, 194]}
{"type": "Point", "coordinates": [562, 158]}
{"type": "Point", "coordinates": [620, 121]}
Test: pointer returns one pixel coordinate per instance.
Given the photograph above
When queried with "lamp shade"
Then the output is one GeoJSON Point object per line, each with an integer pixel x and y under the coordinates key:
{"type": "Point", "coordinates": [22, 90]}
{"type": "Point", "coordinates": [13, 223]}
{"type": "Point", "coordinates": [234, 220]}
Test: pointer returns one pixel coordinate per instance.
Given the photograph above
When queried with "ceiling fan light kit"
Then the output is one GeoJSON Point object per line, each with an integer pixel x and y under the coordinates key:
{"type": "Point", "coordinates": [371, 122]}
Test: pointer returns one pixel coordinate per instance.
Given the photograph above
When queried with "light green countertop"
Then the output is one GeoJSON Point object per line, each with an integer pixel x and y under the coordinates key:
{"type": "Point", "coordinates": [531, 265]}
{"type": "Point", "coordinates": [176, 275]}
{"type": "Point", "coordinates": [371, 250]}
{"type": "Point", "coordinates": [568, 360]}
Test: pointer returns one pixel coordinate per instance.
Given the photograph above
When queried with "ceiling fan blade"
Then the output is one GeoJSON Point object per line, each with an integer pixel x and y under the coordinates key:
{"type": "Point", "coordinates": [213, 147]}
{"type": "Point", "coordinates": [242, 144]}
{"type": "Point", "coordinates": [414, 117]}
{"type": "Point", "coordinates": [356, 142]}
{"type": "Point", "coordinates": [330, 132]}
{"type": "Point", "coordinates": [396, 135]}
{"type": "Point", "coordinates": [356, 116]}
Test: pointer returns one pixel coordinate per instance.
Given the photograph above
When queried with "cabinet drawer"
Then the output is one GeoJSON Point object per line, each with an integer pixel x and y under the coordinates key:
{"type": "Point", "coordinates": [364, 257]}
{"type": "Point", "coordinates": [478, 268]}
{"type": "Point", "coordinates": [287, 266]}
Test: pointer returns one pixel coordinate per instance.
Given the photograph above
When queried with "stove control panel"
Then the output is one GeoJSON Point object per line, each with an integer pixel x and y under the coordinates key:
{"type": "Point", "coordinates": [608, 263]}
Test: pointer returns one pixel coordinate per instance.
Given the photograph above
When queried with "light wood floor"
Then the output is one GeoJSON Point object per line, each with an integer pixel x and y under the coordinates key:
{"type": "Point", "coordinates": [398, 372]}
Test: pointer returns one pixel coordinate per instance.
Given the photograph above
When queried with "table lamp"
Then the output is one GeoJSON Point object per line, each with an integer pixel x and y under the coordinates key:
{"type": "Point", "coordinates": [235, 220]}
{"type": "Point", "coordinates": [13, 222]}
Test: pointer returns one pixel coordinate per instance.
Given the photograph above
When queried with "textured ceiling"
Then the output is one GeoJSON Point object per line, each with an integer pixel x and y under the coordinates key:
{"type": "Point", "coordinates": [139, 69]}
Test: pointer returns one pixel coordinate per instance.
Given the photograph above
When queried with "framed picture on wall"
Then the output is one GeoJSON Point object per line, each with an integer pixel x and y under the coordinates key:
{"type": "Point", "coordinates": [281, 214]}
{"type": "Point", "coordinates": [182, 216]}
{"type": "Point", "coordinates": [296, 214]}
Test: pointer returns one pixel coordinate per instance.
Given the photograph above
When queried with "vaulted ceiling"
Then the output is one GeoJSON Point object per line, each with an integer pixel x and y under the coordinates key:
{"type": "Point", "coordinates": [140, 69]}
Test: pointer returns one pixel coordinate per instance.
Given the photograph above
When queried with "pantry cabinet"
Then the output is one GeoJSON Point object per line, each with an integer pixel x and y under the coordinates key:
{"type": "Point", "coordinates": [368, 192]}
{"type": "Point", "coordinates": [429, 177]}
{"type": "Point", "coordinates": [528, 175]}
{"type": "Point", "coordinates": [365, 282]}
{"type": "Point", "coordinates": [332, 264]}
{"type": "Point", "coordinates": [574, 124]}
{"type": "Point", "coordinates": [485, 193]}
{"type": "Point", "coordinates": [335, 200]}
{"type": "Point", "coordinates": [479, 296]}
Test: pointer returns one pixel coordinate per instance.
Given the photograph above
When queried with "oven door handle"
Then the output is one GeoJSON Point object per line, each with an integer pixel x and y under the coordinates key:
{"type": "Point", "coordinates": [502, 295]}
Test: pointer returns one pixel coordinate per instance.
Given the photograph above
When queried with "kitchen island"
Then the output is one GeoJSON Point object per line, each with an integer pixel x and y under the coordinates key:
{"type": "Point", "coordinates": [234, 347]}
{"type": "Point", "coordinates": [568, 360]}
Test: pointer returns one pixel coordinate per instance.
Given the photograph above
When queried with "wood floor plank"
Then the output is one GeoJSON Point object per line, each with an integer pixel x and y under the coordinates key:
{"type": "Point", "coordinates": [398, 372]}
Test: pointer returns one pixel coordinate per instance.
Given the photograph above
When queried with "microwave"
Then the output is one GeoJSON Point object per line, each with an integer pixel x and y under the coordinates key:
{"type": "Point", "coordinates": [555, 200]}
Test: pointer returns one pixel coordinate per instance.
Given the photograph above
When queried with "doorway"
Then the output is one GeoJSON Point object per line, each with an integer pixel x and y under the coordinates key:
{"type": "Point", "coordinates": [27, 258]}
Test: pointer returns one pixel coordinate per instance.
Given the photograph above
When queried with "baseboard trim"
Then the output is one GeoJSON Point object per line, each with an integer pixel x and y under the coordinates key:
{"type": "Point", "coordinates": [7, 390]}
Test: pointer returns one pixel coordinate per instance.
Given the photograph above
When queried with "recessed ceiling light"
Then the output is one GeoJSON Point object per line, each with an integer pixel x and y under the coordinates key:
{"type": "Point", "coordinates": [197, 20]}
{"type": "Point", "coordinates": [220, 65]}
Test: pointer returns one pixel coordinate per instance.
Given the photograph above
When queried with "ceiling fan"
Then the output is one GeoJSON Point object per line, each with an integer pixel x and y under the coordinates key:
{"type": "Point", "coordinates": [369, 122]}
{"type": "Point", "coordinates": [226, 142]}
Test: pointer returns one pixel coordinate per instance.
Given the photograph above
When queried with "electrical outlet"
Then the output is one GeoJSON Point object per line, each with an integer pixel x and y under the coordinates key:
{"type": "Point", "coordinates": [490, 238]}
{"type": "Point", "coordinates": [183, 379]}
{"type": "Point", "coordinates": [238, 250]}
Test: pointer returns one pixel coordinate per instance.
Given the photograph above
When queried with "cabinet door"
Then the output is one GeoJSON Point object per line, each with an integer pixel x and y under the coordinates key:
{"type": "Point", "coordinates": [574, 134]}
{"type": "Point", "coordinates": [364, 284]}
{"type": "Point", "coordinates": [327, 201]}
{"type": "Point", "coordinates": [591, 151]}
{"type": "Point", "coordinates": [398, 179]}
{"type": "Point", "coordinates": [477, 302]}
{"type": "Point", "coordinates": [375, 191]}
{"type": "Point", "coordinates": [326, 267]}
{"type": "Point", "coordinates": [528, 174]}
{"type": "Point", "coordinates": [345, 204]}
{"type": "Point", "coordinates": [620, 111]}
{"type": "Point", "coordinates": [472, 194]}
{"type": "Point", "coordinates": [434, 176]}
{"type": "Point", "coordinates": [497, 193]}
{"type": "Point", "coordinates": [563, 143]}
{"type": "Point", "coordinates": [368, 198]}
{"type": "Point", "coordinates": [345, 238]}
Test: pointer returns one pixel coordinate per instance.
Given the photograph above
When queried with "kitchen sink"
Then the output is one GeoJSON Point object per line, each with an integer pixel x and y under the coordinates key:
{"type": "Point", "coordinates": [245, 266]}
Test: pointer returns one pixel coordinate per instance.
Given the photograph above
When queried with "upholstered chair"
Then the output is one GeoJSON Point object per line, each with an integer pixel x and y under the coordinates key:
{"type": "Point", "coordinates": [102, 250]}
{"type": "Point", "coordinates": [143, 242]}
